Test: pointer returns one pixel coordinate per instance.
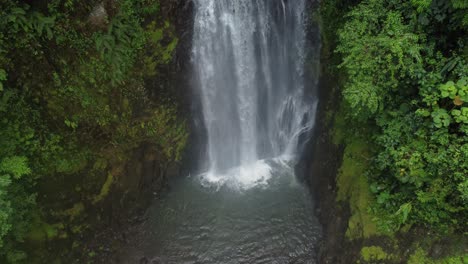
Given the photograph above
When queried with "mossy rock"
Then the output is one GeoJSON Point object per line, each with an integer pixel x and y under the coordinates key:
{"type": "Point", "coordinates": [374, 253]}
{"type": "Point", "coordinates": [104, 189]}
{"type": "Point", "coordinates": [354, 188]}
{"type": "Point", "coordinates": [75, 211]}
{"type": "Point", "coordinates": [420, 256]}
{"type": "Point", "coordinates": [41, 232]}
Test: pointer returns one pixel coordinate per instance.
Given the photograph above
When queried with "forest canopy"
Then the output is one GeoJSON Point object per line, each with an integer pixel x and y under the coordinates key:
{"type": "Point", "coordinates": [406, 89]}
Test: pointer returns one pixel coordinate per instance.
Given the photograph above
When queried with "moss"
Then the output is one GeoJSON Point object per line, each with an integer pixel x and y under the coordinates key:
{"type": "Point", "coordinates": [161, 54]}
{"type": "Point", "coordinates": [420, 256]}
{"type": "Point", "coordinates": [456, 259]}
{"type": "Point", "coordinates": [374, 253]}
{"type": "Point", "coordinates": [42, 231]}
{"type": "Point", "coordinates": [351, 169]}
{"type": "Point", "coordinates": [75, 211]}
{"type": "Point", "coordinates": [353, 187]}
{"type": "Point", "coordinates": [360, 224]}
{"type": "Point", "coordinates": [104, 189]}
{"type": "Point", "coordinates": [75, 244]}
{"type": "Point", "coordinates": [100, 164]}
{"type": "Point", "coordinates": [339, 128]}
{"type": "Point", "coordinates": [36, 234]}
{"type": "Point", "coordinates": [78, 229]}
{"type": "Point", "coordinates": [51, 231]}
{"type": "Point", "coordinates": [352, 183]}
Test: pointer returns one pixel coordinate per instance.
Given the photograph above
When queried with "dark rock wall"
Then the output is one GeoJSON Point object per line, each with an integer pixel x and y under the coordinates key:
{"type": "Point", "coordinates": [320, 163]}
{"type": "Point", "coordinates": [326, 158]}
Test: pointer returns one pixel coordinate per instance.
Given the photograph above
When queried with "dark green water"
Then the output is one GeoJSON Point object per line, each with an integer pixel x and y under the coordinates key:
{"type": "Point", "coordinates": [271, 222]}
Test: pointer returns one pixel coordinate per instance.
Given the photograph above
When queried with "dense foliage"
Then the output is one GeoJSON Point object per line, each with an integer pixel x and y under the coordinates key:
{"type": "Point", "coordinates": [406, 84]}
{"type": "Point", "coordinates": [73, 97]}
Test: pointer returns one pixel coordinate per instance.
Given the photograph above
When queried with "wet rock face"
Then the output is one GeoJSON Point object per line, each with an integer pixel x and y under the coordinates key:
{"type": "Point", "coordinates": [181, 14]}
{"type": "Point", "coordinates": [99, 18]}
{"type": "Point", "coordinates": [144, 260]}
{"type": "Point", "coordinates": [143, 177]}
{"type": "Point", "coordinates": [437, 250]}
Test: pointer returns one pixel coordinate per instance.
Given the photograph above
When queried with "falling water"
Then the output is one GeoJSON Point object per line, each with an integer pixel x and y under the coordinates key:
{"type": "Point", "coordinates": [249, 58]}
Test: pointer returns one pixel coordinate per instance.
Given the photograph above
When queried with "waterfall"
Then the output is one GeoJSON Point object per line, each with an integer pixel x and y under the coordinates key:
{"type": "Point", "coordinates": [248, 58]}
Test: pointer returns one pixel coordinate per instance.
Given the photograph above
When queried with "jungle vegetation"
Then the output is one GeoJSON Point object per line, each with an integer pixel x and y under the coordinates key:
{"type": "Point", "coordinates": [73, 99]}
{"type": "Point", "coordinates": [404, 113]}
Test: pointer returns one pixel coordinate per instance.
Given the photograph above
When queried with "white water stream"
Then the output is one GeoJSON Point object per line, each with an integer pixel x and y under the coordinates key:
{"type": "Point", "coordinates": [249, 58]}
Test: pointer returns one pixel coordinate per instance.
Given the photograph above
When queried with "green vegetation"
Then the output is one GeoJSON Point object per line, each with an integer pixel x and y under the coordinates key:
{"type": "Point", "coordinates": [420, 256]}
{"type": "Point", "coordinates": [73, 103]}
{"type": "Point", "coordinates": [353, 186]}
{"type": "Point", "coordinates": [374, 253]}
{"type": "Point", "coordinates": [402, 67]}
{"type": "Point", "coordinates": [406, 88]}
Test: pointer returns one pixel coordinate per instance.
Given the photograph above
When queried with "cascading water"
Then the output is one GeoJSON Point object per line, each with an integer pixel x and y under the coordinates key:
{"type": "Point", "coordinates": [249, 57]}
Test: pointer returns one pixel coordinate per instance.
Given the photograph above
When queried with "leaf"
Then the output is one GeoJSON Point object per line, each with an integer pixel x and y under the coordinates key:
{"type": "Point", "coordinates": [404, 211]}
{"type": "Point", "coordinates": [448, 90]}
{"type": "Point", "coordinates": [18, 11]}
{"type": "Point", "coordinates": [17, 166]}
{"type": "Point", "coordinates": [441, 118]}
{"type": "Point", "coordinates": [49, 33]}
{"type": "Point", "coordinates": [456, 112]}
{"type": "Point", "coordinates": [423, 112]}
{"type": "Point", "coordinates": [460, 116]}
{"type": "Point", "coordinates": [449, 66]}
{"type": "Point", "coordinates": [3, 75]}
{"type": "Point", "coordinates": [457, 101]}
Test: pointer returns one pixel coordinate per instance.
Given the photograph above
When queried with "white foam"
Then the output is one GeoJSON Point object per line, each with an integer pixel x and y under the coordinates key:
{"type": "Point", "coordinates": [253, 175]}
